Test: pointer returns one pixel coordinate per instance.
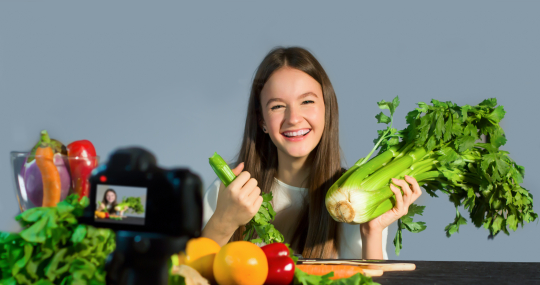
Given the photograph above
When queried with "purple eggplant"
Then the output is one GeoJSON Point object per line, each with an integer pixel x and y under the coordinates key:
{"type": "Point", "coordinates": [34, 182]}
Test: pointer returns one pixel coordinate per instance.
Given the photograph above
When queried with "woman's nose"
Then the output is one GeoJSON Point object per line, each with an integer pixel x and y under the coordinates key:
{"type": "Point", "coordinates": [293, 116]}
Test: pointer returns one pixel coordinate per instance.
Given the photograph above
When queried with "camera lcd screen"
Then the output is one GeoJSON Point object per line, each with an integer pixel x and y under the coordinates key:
{"type": "Point", "coordinates": [120, 204]}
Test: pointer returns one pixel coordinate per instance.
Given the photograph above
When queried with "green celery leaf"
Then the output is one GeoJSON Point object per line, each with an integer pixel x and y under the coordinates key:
{"type": "Point", "coordinates": [31, 215]}
{"type": "Point", "coordinates": [415, 210]}
{"type": "Point", "coordinates": [447, 129]}
{"type": "Point", "coordinates": [357, 279]}
{"type": "Point", "coordinates": [398, 239]}
{"type": "Point", "coordinates": [382, 118]}
{"type": "Point", "coordinates": [465, 142]}
{"type": "Point", "coordinates": [512, 222]}
{"type": "Point", "coordinates": [422, 107]}
{"type": "Point", "coordinates": [37, 232]}
{"type": "Point", "coordinates": [439, 125]}
{"type": "Point", "coordinates": [389, 105]}
{"type": "Point", "coordinates": [454, 227]}
{"type": "Point", "coordinates": [395, 102]}
{"type": "Point", "coordinates": [302, 278]}
{"type": "Point", "coordinates": [415, 227]}
{"type": "Point", "coordinates": [464, 113]}
{"type": "Point", "coordinates": [497, 115]}
{"type": "Point", "coordinates": [21, 263]}
{"type": "Point", "coordinates": [491, 102]}
{"type": "Point", "coordinates": [497, 224]}
{"type": "Point", "coordinates": [6, 237]}
{"type": "Point", "coordinates": [432, 142]}
{"type": "Point", "coordinates": [267, 197]}
{"type": "Point", "coordinates": [412, 116]}
{"type": "Point", "coordinates": [79, 234]}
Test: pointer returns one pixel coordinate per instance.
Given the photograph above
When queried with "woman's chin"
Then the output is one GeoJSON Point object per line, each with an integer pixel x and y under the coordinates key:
{"type": "Point", "coordinates": [297, 153]}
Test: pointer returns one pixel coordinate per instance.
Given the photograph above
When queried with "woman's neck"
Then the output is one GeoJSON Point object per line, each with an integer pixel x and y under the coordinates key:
{"type": "Point", "coordinates": [292, 170]}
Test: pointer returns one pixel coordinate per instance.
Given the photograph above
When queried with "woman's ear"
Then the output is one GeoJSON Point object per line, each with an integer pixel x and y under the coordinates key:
{"type": "Point", "coordinates": [262, 124]}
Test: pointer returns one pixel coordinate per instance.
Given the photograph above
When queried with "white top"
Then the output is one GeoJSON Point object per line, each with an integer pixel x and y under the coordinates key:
{"type": "Point", "coordinates": [287, 203]}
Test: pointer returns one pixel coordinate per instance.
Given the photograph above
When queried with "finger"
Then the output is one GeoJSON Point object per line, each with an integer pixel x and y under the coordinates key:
{"type": "Point", "coordinates": [250, 185]}
{"type": "Point", "coordinates": [417, 191]}
{"type": "Point", "coordinates": [240, 180]}
{"type": "Point", "coordinates": [257, 204]}
{"type": "Point", "coordinates": [253, 197]}
{"type": "Point", "coordinates": [399, 197]}
{"type": "Point", "coordinates": [407, 193]}
{"type": "Point", "coordinates": [254, 193]}
{"type": "Point", "coordinates": [242, 195]}
{"type": "Point", "coordinates": [238, 169]}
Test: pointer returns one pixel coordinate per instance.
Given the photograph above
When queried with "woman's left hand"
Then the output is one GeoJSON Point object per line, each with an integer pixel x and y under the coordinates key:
{"type": "Point", "coordinates": [410, 194]}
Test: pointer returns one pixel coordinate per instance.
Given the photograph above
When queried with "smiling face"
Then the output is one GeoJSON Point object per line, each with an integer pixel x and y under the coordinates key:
{"type": "Point", "coordinates": [111, 197]}
{"type": "Point", "coordinates": [293, 109]}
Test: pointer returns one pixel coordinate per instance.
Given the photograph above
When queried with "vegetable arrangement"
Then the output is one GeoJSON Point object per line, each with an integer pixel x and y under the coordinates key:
{"type": "Point", "coordinates": [280, 262]}
{"type": "Point", "coordinates": [53, 249]}
{"type": "Point", "coordinates": [441, 149]}
{"type": "Point", "coordinates": [52, 170]}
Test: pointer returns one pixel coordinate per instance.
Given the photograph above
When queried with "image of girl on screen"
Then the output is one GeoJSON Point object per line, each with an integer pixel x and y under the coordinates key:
{"type": "Point", "coordinates": [109, 203]}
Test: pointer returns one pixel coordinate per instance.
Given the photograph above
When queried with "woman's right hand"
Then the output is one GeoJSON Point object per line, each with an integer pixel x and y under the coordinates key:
{"type": "Point", "coordinates": [240, 201]}
{"type": "Point", "coordinates": [236, 206]}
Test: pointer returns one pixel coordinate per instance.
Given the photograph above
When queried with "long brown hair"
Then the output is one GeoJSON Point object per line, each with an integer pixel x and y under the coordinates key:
{"type": "Point", "coordinates": [316, 234]}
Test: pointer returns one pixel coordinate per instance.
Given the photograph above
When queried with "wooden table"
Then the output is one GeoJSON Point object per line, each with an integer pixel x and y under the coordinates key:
{"type": "Point", "coordinates": [464, 272]}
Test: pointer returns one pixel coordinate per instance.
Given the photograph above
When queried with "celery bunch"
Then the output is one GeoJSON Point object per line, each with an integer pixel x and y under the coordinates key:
{"type": "Point", "coordinates": [442, 149]}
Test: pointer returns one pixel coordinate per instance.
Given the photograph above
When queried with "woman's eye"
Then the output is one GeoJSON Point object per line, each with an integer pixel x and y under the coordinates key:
{"type": "Point", "coordinates": [308, 102]}
{"type": "Point", "coordinates": [276, 107]}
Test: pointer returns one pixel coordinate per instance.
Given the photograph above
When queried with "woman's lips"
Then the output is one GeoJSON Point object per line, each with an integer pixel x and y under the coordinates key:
{"type": "Point", "coordinates": [296, 135]}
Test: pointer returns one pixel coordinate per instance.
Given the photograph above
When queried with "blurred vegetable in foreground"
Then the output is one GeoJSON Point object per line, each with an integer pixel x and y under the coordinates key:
{"type": "Point", "coordinates": [53, 248]}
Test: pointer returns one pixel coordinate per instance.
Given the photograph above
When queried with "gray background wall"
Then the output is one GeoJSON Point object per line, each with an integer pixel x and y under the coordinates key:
{"type": "Point", "coordinates": [174, 78]}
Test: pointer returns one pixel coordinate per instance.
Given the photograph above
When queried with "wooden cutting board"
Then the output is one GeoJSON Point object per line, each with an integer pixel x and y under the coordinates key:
{"type": "Point", "coordinates": [385, 266]}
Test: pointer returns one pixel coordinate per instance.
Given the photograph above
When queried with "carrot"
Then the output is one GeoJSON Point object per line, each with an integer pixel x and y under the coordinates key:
{"type": "Point", "coordinates": [340, 271]}
{"type": "Point", "coordinates": [49, 173]}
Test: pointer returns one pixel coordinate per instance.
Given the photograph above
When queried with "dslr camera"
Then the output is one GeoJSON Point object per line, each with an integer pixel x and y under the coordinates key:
{"type": "Point", "coordinates": [168, 212]}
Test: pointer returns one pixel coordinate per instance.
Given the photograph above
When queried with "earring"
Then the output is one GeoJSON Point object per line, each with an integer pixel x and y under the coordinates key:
{"type": "Point", "coordinates": [264, 129]}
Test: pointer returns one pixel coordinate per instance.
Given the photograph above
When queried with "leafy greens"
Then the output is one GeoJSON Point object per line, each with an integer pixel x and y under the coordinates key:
{"type": "Point", "coordinates": [54, 249]}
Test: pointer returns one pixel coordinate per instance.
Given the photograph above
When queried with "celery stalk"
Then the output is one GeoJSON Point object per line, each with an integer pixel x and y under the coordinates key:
{"type": "Point", "coordinates": [222, 170]}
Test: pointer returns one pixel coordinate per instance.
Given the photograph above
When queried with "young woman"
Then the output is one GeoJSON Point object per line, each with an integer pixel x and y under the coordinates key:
{"type": "Point", "coordinates": [109, 203]}
{"type": "Point", "coordinates": [291, 147]}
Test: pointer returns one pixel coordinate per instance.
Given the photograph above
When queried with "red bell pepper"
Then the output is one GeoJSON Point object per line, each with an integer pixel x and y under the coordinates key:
{"type": "Point", "coordinates": [82, 160]}
{"type": "Point", "coordinates": [280, 264]}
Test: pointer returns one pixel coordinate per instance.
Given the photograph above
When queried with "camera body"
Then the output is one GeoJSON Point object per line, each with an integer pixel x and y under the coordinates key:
{"type": "Point", "coordinates": [171, 199]}
{"type": "Point", "coordinates": [168, 212]}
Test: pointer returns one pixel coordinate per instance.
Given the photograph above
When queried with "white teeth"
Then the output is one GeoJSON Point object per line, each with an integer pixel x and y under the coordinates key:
{"type": "Point", "coordinates": [298, 133]}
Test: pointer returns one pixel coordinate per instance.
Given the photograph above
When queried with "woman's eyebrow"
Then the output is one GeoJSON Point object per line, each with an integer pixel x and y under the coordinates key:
{"type": "Point", "coordinates": [307, 94]}
{"type": "Point", "coordinates": [274, 100]}
{"type": "Point", "coordinates": [299, 97]}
